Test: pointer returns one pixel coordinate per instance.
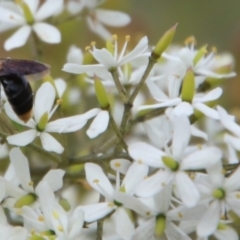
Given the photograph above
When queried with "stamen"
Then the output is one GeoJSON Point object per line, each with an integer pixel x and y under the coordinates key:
{"type": "Point", "coordinates": [114, 37]}
{"type": "Point", "coordinates": [190, 40]}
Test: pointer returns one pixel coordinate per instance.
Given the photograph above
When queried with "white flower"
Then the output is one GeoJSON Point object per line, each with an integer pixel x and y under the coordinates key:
{"type": "Point", "coordinates": [108, 60]}
{"type": "Point", "coordinates": [221, 194]}
{"type": "Point", "coordinates": [12, 16]}
{"type": "Point", "coordinates": [51, 216]}
{"type": "Point", "coordinates": [21, 168]}
{"type": "Point", "coordinates": [97, 18]}
{"type": "Point", "coordinates": [173, 163]}
{"type": "Point", "coordinates": [99, 181]}
{"type": "Point", "coordinates": [42, 112]}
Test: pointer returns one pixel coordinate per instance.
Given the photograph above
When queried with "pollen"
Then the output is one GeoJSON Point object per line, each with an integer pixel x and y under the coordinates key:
{"type": "Point", "coordinates": [180, 215]}
{"type": "Point", "coordinates": [93, 44]}
{"type": "Point", "coordinates": [60, 228]}
{"type": "Point", "coordinates": [117, 164]}
{"type": "Point", "coordinates": [111, 204]}
{"type": "Point", "coordinates": [96, 181]}
{"type": "Point", "coordinates": [190, 40]}
{"type": "Point", "coordinates": [55, 214]}
{"type": "Point", "coordinates": [31, 183]}
{"type": "Point", "coordinates": [87, 48]}
{"type": "Point", "coordinates": [214, 49]}
{"type": "Point", "coordinates": [41, 218]}
{"type": "Point", "coordinates": [238, 195]}
{"type": "Point", "coordinates": [140, 161]}
{"type": "Point", "coordinates": [127, 38]}
{"type": "Point", "coordinates": [59, 101]}
{"type": "Point", "coordinates": [163, 184]}
{"type": "Point", "coordinates": [114, 37]}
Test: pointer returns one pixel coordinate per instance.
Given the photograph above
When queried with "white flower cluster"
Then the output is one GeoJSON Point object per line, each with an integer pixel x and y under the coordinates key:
{"type": "Point", "coordinates": [169, 172]}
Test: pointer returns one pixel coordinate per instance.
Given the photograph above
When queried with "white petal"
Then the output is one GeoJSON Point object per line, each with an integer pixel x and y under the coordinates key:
{"type": "Point", "coordinates": [10, 16]}
{"type": "Point", "coordinates": [183, 108]}
{"type": "Point", "coordinates": [181, 135]}
{"type": "Point", "coordinates": [97, 211]}
{"type": "Point", "coordinates": [76, 223]}
{"type": "Point", "coordinates": [201, 159]}
{"type": "Point", "coordinates": [227, 233]}
{"type": "Point", "coordinates": [210, 96]}
{"type": "Point", "coordinates": [233, 202]}
{"type": "Point", "coordinates": [153, 184]}
{"type": "Point", "coordinates": [75, 55]}
{"type": "Point", "coordinates": [135, 174]}
{"type": "Point", "coordinates": [123, 225]}
{"type": "Point", "coordinates": [120, 165]}
{"type": "Point", "coordinates": [78, 69]}
{"type": "Point", "coordinates": [233, 141]}
{"type": "Point", "coordinates": [228, 121]}
{"type": "Point", "coordinates": [165, 103]}
{"type": "Point", "coordinates": [136, 52]}
{"type": "Point", "coordinates": [50, 144]}
{"type": "Point", "coordinates": [47, 9]}
{"type": "Point", "coordinates": [99, 124]}
{"type": "Point", "coordinates": [112, 18]}
{"type": "Point", "coordinates": [23, 138]}
{"type": "Point", "coordinates": [61, 86]}
{"type": "Point", "coordinates": [98, 180]}
{"type": "Point", "coordinates": [156, 92]}
{"type": "Point", "coordinates": [47, 32]}
{"type": "Point", "coordinates": [98, 28]}
{"type": "Point", "coordinates": [133, 203]}
{"type": "Point", "coordinates": [209, 221]}
{"type": "Point", "coordinates": [187, 190]}
{"type": "Point", "coordinates": [44, 100]}
{"type": "Point", "coordinates": [21, 166]}
{"type": "Point", "coordinates": [18, 39]}
{"type": "Point", "coordinates": [207, 111]}
{"type": "Point", "coordinates": [175, 233]}
{"type": "Point", "coordinates": [146, 153]}
{"type": "Point", "coordinates": [232, 182]}
{"type": "Point", "coordinates": [198, 133]}
{"type": "Point", "coordinates": [54, 178]}
{"type": "Point", "coordinates": [71, 124]}
{"type": "Point", "coordinates": [104, 57]}
{"type": "Point", "coordinates": [145, 230]}
{"type": "Point", "coordinates": [11, 114]}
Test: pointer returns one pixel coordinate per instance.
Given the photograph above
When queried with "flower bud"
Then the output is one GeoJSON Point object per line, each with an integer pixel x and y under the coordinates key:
{"type": "Point", "coordinates": [170, 163]}
{"type": "Point", "coordinates": [27, 12]}
{"type": "Point", "coordinates": [188, 87]}
{"type": "Point", "coordinates": [101, 93]}
{"type": "Point", "coordinates": [25, 200]}
{"type": "Point", "coordinates": [42, 122]}
{"type": "Point", "coordinates": [65, 204]}
{"type": "Point", "coordinates": [202, 51]}
{"type": "Point", "coordinates": [160, 225]}
{"type": "Point", "coordinates": [164, 41]}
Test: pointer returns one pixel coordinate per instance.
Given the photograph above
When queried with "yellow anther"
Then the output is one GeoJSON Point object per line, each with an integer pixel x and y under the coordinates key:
{"type": "Point", "coordinates": [127, 38]}
{"type": "Point", "coordinates": [55, 214]}
{"type": "Point", "coordinates": [180, 215]}
{"type": "Point", "coordinates": [140, 161]}
{"type": "Point", "coordinates": [117, 164]}
{"type": "Point", "coordinates": [111, 204]}
{"type": "Point", "coordinates": [60, 228]}
{"type": "Point", "coordinates": [93, 44]}
{"type": "Point", "coordinates": [59, 101]}
{"type": "Point", "coordinates": [238, 195]}
{"type": "Point", "coordinates": [41, 218]}
{"type": "Point", "coordinates": [214, 49]}
{"type": "Point", "coordinates": [114, 37]}
{"type": "Point", "coordinates": [190, 40]}
{"type": "Point", "coordinates": [87, 48]}
{"type": "Point", "coordinates": [31, 183]}
{"type": "Point", "coordinates": [96, 181]}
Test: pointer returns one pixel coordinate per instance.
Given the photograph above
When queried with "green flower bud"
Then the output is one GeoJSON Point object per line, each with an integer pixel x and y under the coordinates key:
{"type": "Point", "coordinates": [218, 193]}
{"type": "Point", "coordinates": [160, 225]}
{"type": "Point", "coordinates": [27, 12]}
{"type": "Point", "coordinates": [42, 122]}
{"type": "Point", "coordinates": [202, 51]}
{"type": "Point", "coordinates": [65, 204]}
{"type": "Point", "coordinates": [164, 41]}
{"type": "Point", "coordinates": [101, 94]}
{"type": "Point", "coordinates": [25, 200]}
{"type": "Point", "coordinates": [188, 87]}
{"type": "Point", "coordinates": [170, 163]}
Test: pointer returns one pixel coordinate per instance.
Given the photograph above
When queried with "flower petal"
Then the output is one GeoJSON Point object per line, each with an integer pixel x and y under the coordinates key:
{"type": "Point", "coordinates": [50, 144]}
{"type": "Point", "coordinates": [23, 138]}
{"type": "Point", "coordinates": [207, 111]}
{"type": "Point", "coordinates": [47, 32]}
{"type": "Point", "coordinates": [209, 221]}
{"type": "Point", "coordinates": [187, 190]}
{"type": "Point", "coordinates": [44, 100]}
{"type": "Point", "coordinates": [112, 18]}
{"type": "Point", "coordinates": [21, 167]}
{"type": "Point", "coordinates": [98, 180]}
{"type": "Point", "coordinates": [47, 9]}
{"type": "Point", "coordinates": [18, 39]}
{"type": "Point", "coordinates": [99, 124]}
{"type": "Point", "coordinates": [146, 153]}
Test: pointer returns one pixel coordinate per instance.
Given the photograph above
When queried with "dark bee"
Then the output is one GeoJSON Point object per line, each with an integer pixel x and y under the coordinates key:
{"type": "Point", "coordinates": [14, 76]}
